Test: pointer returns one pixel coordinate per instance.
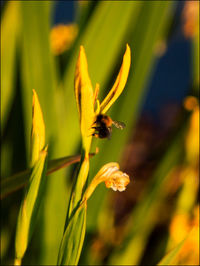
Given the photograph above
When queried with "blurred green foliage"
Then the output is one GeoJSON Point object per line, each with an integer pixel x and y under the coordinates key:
{"type": "Point", "coordinates": [27, 63]}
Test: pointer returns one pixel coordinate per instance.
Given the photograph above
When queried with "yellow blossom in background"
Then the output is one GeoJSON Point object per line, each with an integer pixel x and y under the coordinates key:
{"type": "Point", "coordinates": [179, 227]}
{"type": "Point", "coordinates": [183, 226]}
{"type": "Point", "coordinates": [190, 103]}
{"type": "Point", "coordinates": [189, 190]}
{"type": "Point", "coordinates": [62, 37]}
{"type": "Point", "coordinates": [160, 48]}
{"type": "Point", "coordinates": [191, 18]}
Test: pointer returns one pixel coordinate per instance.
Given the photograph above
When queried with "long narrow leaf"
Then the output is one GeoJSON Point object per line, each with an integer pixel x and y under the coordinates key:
{"type": "Point", "coordinates": [30, 205]}
{"type": "Point", "coordinates": [17, 181]}
{"type": "Point", "coordinates": [10, 25]}
{"type": "Point", "coordinates": [39, 73]}
{"type": "Point", "coordinates": [73, 239]}
{"type": "Point", "coordinates": [37, 64]}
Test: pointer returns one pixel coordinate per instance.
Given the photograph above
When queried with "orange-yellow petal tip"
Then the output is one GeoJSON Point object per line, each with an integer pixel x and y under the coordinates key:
{"type": "Point", "coordinates": [128, 48]}
{"type": "Point", "coordinates": [127, 54]}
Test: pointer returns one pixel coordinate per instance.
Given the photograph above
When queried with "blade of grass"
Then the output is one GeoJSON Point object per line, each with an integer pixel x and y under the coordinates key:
{"type": "Point", "coordinates": [37, 64]}
{"type": "Point", "coordinates": [38, 72]}
{"type": "Point", "coordinates": [73, 238]}
{"type": "Point", "coordinates": [29, 208]}
{"type": "Point", "coordinates": [10, 26]}
{"type": "Point", "coordinates": [19, 180]}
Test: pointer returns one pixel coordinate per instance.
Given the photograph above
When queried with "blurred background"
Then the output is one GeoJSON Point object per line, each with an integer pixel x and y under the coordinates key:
{"type": "Point", "coordinates": [158, 149]}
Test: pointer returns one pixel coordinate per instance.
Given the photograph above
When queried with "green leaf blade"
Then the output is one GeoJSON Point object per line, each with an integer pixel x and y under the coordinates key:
{"type": "Point", "coordinates": [10, 27]}
{"type": "Point", "coordinates": [19, 180]}
{"type": "Point", "coordinates": [30, 205]}
{"type": "Point", "coordinates": [73, 238]}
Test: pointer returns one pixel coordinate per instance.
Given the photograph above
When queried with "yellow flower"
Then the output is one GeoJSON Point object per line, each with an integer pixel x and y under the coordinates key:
{"type": "Point", "coordinates": [86, 98]}
{"type": "Point", "coordinates": [112, 176]}
{"type": "Point", "coordinates": [181, 226]}
{"type": "Point", "coordinates": [190, 103]}
{"type": "Point", "coordinates": [62, 36]}
{"type": "Point", "coordinates": [191, 18]}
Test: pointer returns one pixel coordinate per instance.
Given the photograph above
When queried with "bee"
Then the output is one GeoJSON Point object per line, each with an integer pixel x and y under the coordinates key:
{"type": "Point", "coordinates": [103, 126]}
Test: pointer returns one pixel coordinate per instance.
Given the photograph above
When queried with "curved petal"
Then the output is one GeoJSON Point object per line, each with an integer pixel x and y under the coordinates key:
{"type": "Point", "coordinates": [84, 98]}
{"type": "Point", "coordinates": [119, 83]}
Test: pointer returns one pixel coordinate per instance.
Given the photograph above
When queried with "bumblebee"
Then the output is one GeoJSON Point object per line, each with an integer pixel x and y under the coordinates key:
{"type": "Point", "coordinates": [103, 126]}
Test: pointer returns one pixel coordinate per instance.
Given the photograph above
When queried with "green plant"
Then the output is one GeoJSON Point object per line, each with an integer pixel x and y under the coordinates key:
{"type": "Point", "coordinates": [59, 209]}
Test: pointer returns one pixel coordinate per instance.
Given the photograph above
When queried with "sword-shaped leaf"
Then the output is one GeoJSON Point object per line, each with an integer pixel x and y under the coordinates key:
{"type": "Point", "coordinates": [73, 238]}
{"type": "Point", "coordinates": [29, 207]}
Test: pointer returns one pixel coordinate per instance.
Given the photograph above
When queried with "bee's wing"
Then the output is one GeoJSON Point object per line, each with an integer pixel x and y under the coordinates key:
{"type": "Point", "coordinates": [118, 124]}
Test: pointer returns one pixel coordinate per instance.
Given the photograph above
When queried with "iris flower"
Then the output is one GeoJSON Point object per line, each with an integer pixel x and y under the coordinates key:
{"type": "Point", "coordinates": [86, 97]}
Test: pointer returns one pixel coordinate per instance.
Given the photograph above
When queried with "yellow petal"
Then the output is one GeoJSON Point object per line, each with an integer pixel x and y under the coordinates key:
{"type": "Point", "coordinates": [85, 99]}
{"type": "Point", "coordinates": [119, 83]}
{"type": "Point", "coordinates": [96, 92]}
{"type": "Point", "coordinates": [38, 130]}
